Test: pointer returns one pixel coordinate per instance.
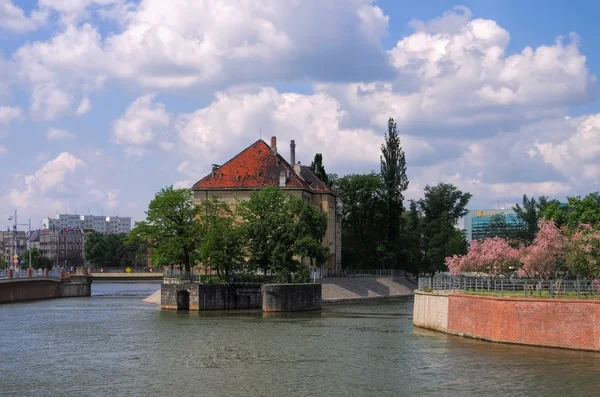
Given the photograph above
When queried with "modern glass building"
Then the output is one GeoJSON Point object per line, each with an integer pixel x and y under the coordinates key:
{"type": "Point", "coordinates": [478, 223]}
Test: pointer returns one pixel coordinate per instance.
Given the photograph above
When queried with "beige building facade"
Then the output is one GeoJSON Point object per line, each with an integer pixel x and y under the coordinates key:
{"type": "Point", "coordinates": [260, 166]}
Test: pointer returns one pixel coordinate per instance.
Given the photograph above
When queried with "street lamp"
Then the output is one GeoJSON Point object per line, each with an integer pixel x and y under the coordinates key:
{"type": "Point", "coordinates": [28, 238]}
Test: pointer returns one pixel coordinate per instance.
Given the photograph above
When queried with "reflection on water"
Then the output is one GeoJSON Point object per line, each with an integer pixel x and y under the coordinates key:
{"type": "Point", "coordinates": [114, 345]}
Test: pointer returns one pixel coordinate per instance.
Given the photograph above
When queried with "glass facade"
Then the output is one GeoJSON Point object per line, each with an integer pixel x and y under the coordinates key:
{"type": "Point", "coordinates": [479, 223]}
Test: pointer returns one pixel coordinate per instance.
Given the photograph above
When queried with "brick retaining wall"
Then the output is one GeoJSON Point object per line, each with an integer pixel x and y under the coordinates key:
{"type": "Point", "coordinates": [570, 324]}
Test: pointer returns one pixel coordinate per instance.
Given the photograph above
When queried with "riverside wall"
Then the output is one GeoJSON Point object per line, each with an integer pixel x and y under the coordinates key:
{"type": "Point", "coordinates": [562, 323]}
{"type": "Point", "coordinates": [39, 288]}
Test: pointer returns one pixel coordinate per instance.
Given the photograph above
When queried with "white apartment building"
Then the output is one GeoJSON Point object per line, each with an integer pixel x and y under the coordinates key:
{"type": "Point", "coordinates": [101, 224]}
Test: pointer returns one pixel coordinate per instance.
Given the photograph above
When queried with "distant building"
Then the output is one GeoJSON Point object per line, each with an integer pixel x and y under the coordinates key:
{"type": "Point", "coordinates": [63, 246]}
{"type": "Point", "coordinates": [101, 224]}
{"type": "Point", "coordinates": [259, 166]}
{"type": "Point", "coordinates": [479, 223]}
{"type": "Point", "coordinates": [8, 248]}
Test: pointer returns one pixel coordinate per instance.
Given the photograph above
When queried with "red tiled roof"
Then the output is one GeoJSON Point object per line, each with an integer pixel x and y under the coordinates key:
{"type": "Point", "coordinates": [256, 167]}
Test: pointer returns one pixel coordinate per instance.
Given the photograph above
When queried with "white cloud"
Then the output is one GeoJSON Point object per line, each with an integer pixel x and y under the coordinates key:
{"type": "Point", "coordinates": [454, 73]}
{"type": "Point", "coordinates": [48, 102]}
{"type": "Point", "coordinates": [56, 134]}
{"type": "Point", "coordinates": [13, 18]}
{"type": "Point", "coordinates": [206, 44]}
{"type": "Point", "coordinates": [84, 107]}
{"type": "Point", "coordinates": [142, 125]}
{"type": "Point", "coordinates": [185, 184]}
{"type": "Point", "coordinates": [48, 179]}
{"type": "Point", "coordinates": [575, 151]}
{"type": "Point", "coordinates": [112, 199]}
{"type": "Point", "coordinates": [9, 114]}
{"type": "Point", "coordinates": [3, 149]}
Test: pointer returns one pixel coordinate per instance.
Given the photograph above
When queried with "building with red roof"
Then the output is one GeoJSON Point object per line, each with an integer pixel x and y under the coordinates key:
{"type": "Point", "coordinates": [259, 166]}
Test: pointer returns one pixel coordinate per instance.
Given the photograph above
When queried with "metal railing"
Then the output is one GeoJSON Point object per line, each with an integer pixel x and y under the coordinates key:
{"type": "Point", "coordinates": [322, 273]}
{"type": "Point", "coordinates": [37, 273]}
{"type": "Point", "coordinates": [180, 276]}
{"type": "Point", "coordinates": [514, 287]}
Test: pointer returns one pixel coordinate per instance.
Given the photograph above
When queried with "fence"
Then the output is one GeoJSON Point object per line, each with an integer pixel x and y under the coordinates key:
{"type": "Point", "coordinates": [322, 273]}
{"type": "Point", "coordinates": [177, 276]}
{"type": "Point", "coordinates": [34, 273]}
{"type": "Point", "coordinates": [515, 287]}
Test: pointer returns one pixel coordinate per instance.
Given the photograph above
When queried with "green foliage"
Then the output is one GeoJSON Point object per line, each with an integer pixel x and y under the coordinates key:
{"type": "Point", "coordinates": [278, 227]}
{"type": "Point", "coordinates": [583, 210]}
{"type": "Point", "coordinates": [441, 208]}
{"type": "Point", "coordinates": [112, 250]}
{"type": "Point", "coordinates": [224, 244]}
{"type": "Point", "coordinates": [395, 182]}
{"type": "Point", "coordinates": [37, 260]}
{"type": "Point", "coordinates": [171, 228]}
{"type": "Point", "coordinates": [318, 169]}
{"type": "Point", "coordinates": [361, 206]}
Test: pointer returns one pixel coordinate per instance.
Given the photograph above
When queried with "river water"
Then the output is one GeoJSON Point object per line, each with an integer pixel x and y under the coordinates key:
{"type": "Point", "coordinates": [112, 344]}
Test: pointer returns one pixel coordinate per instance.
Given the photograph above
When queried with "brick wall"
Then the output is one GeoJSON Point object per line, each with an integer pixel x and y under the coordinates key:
{"type": "Point", "coordinates": [572, 324]}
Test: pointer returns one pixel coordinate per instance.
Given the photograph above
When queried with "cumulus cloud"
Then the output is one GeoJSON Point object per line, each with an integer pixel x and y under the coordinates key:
{"type": "Point", "coordinates": [209, 44]}
{"type": "Point", "coordinates": [453, 73]}
{"type": "Point", "coordinates": [142, 125]}
{"type": "Point", "coordinates": [50, 178]}
{"type": "Point", "coordinates": [112, 199]}
{"type": "Point", "coordinates": [14, 19]}
{"type": "Point", "coordinates": [84, 107]}
{"type": "Point", "coordinates": [236, 119]}
{"type": "Point", "coordinates": [57, 134]}
{"type": "Point", "coordinates": [575, 150]}
{"type": "Point", "coordinates": [9, 113]}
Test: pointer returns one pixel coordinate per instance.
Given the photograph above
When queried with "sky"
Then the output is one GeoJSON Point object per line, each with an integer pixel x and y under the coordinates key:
{"type": "Point", "coordinates": [104, 102]}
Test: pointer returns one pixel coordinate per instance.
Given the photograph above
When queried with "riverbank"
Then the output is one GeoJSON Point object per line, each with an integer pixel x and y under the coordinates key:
{"type": "Point", "coordinates": [350, 289]}
{"type": "Point", "coordinates": [563, 323]}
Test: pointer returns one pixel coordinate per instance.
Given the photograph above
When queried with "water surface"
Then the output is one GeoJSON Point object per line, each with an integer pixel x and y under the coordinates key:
{"type": "Point", "coordinates": [112, 344]}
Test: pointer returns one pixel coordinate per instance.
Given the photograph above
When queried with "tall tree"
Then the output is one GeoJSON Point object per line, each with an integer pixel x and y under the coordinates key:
{"type": "Point", "coordinates": [362, 209]}
{"type": "Point", "coordinates": [414, 239]}
{"type": "Point", "coordinates": [395, 182]}
{"type": "Point", "coordinates": [171, 228]}
{"type": "Point", "coordinates": [319, 169]}
{"type": "Point", "coordinates": [442, 207]}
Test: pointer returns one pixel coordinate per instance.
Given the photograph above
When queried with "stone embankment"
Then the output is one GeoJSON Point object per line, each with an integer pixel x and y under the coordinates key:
{"type": "Point", "coordinates": [564, 323]}
{"type": "Point", "coordinates": [348, 289]}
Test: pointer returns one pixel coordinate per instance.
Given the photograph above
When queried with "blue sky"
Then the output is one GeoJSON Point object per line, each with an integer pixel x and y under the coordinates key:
{"type": "Point", "coordinates": [103, 102]}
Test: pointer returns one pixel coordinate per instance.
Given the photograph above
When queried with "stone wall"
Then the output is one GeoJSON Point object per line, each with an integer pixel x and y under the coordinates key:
{"type": "Point", "coordinates": [431, 311]}
{"type": "Point", "coordinates": [37, 288]}
{"type": "Point", "coordinates": [213, 296]}
{"type": "Point", "coordinates": [291, 297]}
{"type": "Point", "coordinates": [564, 323]}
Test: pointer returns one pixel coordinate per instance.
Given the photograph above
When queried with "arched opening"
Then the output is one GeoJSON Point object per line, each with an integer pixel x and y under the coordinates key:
{"type": "Point", "coordinates": [183, 300]}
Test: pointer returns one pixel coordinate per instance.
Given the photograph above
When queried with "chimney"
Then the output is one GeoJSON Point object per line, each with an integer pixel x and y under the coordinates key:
{"type": "Point", "coordinates": [298, 168]}
{"type": "Point", "coordinates": [282, 179]}
{"type": "Point", "coordinates": [274, 144]}
{"type": "Point", "coordinates": [292, 152]}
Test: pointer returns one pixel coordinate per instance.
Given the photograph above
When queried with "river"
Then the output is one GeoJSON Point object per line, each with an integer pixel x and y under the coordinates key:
{"type": "Point", "coordinates": [112, 344]}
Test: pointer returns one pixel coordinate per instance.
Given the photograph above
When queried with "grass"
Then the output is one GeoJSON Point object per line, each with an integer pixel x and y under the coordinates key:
{"type": "Point", "coordinates": [535, 294]}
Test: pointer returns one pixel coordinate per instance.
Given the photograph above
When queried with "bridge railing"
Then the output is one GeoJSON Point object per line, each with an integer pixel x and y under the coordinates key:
{"type": "Point", "coordinates": [35, 273]}
{"type": "Point", "coordinates": [513, 287]}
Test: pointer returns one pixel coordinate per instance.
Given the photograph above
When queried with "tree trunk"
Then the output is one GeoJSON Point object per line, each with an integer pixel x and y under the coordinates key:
{"type": "Point", "coordinates": [186, 260]}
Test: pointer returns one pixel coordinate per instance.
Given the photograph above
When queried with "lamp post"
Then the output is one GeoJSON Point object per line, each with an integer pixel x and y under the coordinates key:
{"type": "Point", "coordinates": [10, 218]}
{"type": "Point", "coordinates": [28, 237]}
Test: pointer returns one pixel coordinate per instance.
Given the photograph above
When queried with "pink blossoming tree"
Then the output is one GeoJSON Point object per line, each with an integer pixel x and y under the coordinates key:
{"type": "Point", "coordinates": [582, 252]}
{"type": "Point", "coordinates": [543, 257]}
{"type": "Point", "coordinates": [491, 255]}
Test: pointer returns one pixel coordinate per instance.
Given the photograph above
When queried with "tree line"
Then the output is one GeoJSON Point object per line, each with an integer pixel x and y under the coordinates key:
{"type": "Point", "coordinates": [551, 239]}
{"type": "Point", "coordinates": [271, 232]}
{"type": "Point", "coordinates": [378, 231]}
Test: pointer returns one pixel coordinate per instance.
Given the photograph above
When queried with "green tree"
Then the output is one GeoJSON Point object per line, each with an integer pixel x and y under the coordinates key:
{"type": "Point", "coordinates": [171, 228]}
{"type": "Point", "coordinates": [318, 169]}
{"type": "Point", "coordinates": [442, 206]}
{"type": "Point", "coordinates": [311, 227]}
{"type": "Point", "coordinates": [395, 182]}
{"type": "Point", "coordinates": [223, 247]}
{"type": "Point", "coordinates": [584, 210]}
{"type": "Point", "coordinates": [36, 259]}
{"type": "Point", "coordinates": [278, 227]}
{"type": "Point", "coordinates": [361, 206]}
{"type": "Point", "coordinates": [414, 239]}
